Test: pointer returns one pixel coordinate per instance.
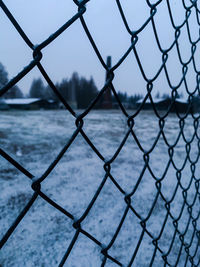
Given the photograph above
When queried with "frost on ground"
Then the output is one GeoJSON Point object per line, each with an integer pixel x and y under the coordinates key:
{"type": "Point", "coordinates": [34, 138]}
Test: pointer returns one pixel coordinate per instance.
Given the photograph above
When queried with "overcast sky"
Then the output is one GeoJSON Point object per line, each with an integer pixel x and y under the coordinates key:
{"type": "Point", "coordinates": [73, 52]}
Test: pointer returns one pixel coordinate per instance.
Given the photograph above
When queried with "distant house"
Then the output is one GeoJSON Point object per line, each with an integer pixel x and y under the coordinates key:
{"type": "Point", "coordinates": [158, 102]}
{"type": "Point", "coordinates": [196, 104]}
{"type": "Point", "coordinates": [179, 105]}
{"type": "Point", "coordinates": [3, 105]}
{"type": "Point", "coordinates": [183, 106]}
{"type": "Point", "coordinates": [30, 103]}
{"type": "Point", "coordinates": [147, 105]}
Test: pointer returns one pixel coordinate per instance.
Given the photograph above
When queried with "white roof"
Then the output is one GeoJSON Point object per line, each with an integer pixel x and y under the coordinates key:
{"type": "Point", "coordinates": [2, 100]}
{"type": "Point", "coordinates": [18, 101]}
{"type": "Point", "coordinates": [157, 100]}
{"type": "Point", "coordinates": [182, 100]}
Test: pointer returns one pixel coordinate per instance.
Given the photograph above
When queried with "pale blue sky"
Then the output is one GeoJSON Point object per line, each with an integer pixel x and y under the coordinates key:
{"type": "Point", "coordinates": [72, 51]}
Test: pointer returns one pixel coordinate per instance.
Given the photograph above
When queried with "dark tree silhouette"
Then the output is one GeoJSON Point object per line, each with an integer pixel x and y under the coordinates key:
{"type": "Point", "coordinates": [3, 75]}
{"type": "Point", "coordinates": [13, 92]}
{"type": "Point", "coordinates": [76, 89]}
{"type": "Point", "coordinates": [64, 88]}
{"type": "Point", "coordinates": [37, 89]}
{"type": "Point", "coordinates": [86, 91]}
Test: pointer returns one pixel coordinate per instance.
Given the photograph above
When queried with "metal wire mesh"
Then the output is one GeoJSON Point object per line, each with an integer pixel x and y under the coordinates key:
{"type": "Point", "coordinates": [192, 255]}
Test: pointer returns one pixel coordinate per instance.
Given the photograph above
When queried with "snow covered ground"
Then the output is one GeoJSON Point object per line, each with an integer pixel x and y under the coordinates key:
{"type": "Point", "coordinates": [34, 138]}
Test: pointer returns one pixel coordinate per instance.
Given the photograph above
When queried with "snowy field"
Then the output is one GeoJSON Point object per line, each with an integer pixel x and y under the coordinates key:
{"type": "Point", "coordinates": [34, 138]}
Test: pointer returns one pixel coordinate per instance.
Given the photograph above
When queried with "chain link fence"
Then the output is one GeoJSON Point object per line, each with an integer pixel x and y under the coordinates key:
{"type": "Point", "coordinates": [187, 237]}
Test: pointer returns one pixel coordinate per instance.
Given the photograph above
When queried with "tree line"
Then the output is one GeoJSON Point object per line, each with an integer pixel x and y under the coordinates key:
{"type": "Point", "coordinates": [77, 89]}
{"type": "Point", "coordinates": [83, 90]}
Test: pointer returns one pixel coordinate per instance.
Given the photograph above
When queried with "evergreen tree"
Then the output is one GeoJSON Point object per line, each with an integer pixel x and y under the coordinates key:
{"type": "Point", "coordinates": [134, 98]}
{"type": "Point", "coordinates": [3, 75]}
{"type": "Point", "coordinates": [86, 91]}
{"type": "Point", "coordinates": [37, 89]}
{"type": "Point", "coordinates": [13, 92]}
{"type": "Point", "coordinates": [76, 89]}
{"type": "Point", "coordinates": [64, 88]}
{"type": "Point", "coordinates": [166, 96]}
{"type": "Point", "coordinates": [49, 93]}
{"type": "Point", "coordinates": [158, 95]}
